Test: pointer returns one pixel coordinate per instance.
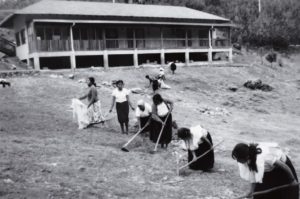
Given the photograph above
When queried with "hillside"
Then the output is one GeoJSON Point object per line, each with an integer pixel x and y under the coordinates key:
{"type": "Point", "coordinates": [44, 155]}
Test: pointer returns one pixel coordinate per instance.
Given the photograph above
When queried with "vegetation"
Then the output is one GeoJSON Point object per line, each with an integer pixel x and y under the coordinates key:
{"type": "Point", "coordinates": [276, 25]}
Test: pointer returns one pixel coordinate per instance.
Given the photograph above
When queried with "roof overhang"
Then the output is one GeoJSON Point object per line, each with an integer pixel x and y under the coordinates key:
{"type": "Point", "coordinates": [130, 22]}
{"type": "Point", "coordinates": [9, 20]}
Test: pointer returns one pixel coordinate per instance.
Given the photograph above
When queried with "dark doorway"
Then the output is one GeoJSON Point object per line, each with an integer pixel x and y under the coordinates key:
{"type": "Point", "coordinates": [120, 60]}
{"type": "Point", "coordinates": [149, 58]}
{"type": "Point", "coordinates": [55, 62]}
{"type": "Point", "coordinates": [89, 61]}
{"type": "Point", "coordinates": [198, 57]}
{"type": "Point", "coordinates": [175, 57]}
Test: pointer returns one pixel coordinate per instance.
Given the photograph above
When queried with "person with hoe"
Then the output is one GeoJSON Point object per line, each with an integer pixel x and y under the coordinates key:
{"type": "Point", "coordinates": [270, 171]}
{"type": "Point", "coordinates": [161, 120]}
{"type": "Point", "coordinates": [143, 114]}
{"type": "Point", "coordinates": [94, 112]}
{"type": "Point", "coordinates": [120, 97]}
{"type": "Point", "coordinates": [197, 142]}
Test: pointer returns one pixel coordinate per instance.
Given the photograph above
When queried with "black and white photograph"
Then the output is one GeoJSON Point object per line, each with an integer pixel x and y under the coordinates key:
{"type": "Point", "coordinates": [148, 99]}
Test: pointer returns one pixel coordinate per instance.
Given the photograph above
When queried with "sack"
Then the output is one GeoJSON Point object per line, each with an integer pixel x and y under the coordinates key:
{"type": "Point", "coordinates": [80, 113]}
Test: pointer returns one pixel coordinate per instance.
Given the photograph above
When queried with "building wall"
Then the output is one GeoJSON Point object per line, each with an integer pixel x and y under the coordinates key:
{"type": "Point", "coordinates": [22, 51]}
{"type": "Point", "coordinates": [119, 44]}
{"type": "Point", "coordinates": [154, 34]}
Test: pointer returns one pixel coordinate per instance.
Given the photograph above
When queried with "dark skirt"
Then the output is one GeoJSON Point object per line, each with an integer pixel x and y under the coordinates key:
{"type": "Point", "coordinates": [278, 177]}
{"type": "Point", "coordinates": [122, 111]}
{"type": "Point", "coordinates": [143, 121]}
{"type": "Point", "coordinates": [155, 129]}
{"type": "Point", "coordinates": [207, 161]}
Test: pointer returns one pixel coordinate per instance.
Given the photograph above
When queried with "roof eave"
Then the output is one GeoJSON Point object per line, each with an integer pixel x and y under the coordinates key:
{"type": "Point", "coordinates": [138, 19]}
{"type": "Point", "coordinates": [7, 22]}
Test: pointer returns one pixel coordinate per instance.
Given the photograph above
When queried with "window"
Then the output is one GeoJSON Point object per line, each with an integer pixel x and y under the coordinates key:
{"type": "Point", "coordinates": [111, 33]}
{"type": "Point", "coordinates": [48, 33]}
{"type": "Point", "coordinates": [99, 33]}
{"type": "Point", "coordinates": [203, 33]}
{"type": "Point", "coordinates": [76, 33]}
{"type": "Point", "coordinates": [17, 39]}
{"type": "Point", "coordinates": [23, 40]}
{"type": "Point", "coordinates": [56, 34]}
{"type": "Point", "coordinates": [83, 33]}
{"type": "Point", "coordinates": [40, 33]}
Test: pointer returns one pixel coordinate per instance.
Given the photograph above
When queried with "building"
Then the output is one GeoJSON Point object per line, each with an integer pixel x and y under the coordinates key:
{"type": "Point", "coordinates": [78, 34]}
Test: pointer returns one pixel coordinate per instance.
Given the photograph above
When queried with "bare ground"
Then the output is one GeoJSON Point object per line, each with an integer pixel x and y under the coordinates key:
{"type": "Point", "coordinates": [44, 155]}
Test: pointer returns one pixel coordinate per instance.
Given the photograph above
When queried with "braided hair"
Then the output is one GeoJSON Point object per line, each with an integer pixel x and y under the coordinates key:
{"type": "Point", "coordinates": [247, 153]}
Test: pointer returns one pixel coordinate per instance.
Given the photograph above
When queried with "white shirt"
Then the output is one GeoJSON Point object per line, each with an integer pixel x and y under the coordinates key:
{"type": "Point", "coordinates": [120, 95]}
{"type": "Point", "coordinates": [271, 152]}
{"type": "Point", "coordinates": [162, 109]}
{"type": "Point", "coordinates": [197, 132]}
{"type": "Point", "coordinates": [145, 113]}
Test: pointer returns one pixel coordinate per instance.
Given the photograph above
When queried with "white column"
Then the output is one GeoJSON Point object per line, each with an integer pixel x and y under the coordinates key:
{"type": "Point", "coordinates": [162, 57]}
{"type": "Point", "coordinates": [73, 61]}
{"type": "Point", "coordinates": [230, 55]}
{"type": "Point", "coordinates": [135, 58]}
{"type": "Point", "coordinates": [210, 46]}
{"type": "Point", "coordinates": [36, 62]}
{"type": "Point", "coordinates": [105, 59]}
{"type": "Point", "coordinates": [187, 57]}
{"type": "Point", "coordinates": [210, 55]}
{"type": "Point", "coordinates": [72, 57]}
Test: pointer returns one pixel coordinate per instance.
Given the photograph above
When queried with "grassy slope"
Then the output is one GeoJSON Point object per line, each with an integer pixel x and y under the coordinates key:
{"type": "Point", "coordinates": [46, 156]}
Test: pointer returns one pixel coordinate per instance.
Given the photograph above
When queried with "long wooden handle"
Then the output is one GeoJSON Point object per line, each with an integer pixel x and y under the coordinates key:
{"type": "Point", "coordinates": [132, 138]}
{"type": "Point", "coordinates": [201, 155]}
{"type": "Point", "coordinates": [269, 190]}
{"type": "Point", "coordinates": [162, 128]}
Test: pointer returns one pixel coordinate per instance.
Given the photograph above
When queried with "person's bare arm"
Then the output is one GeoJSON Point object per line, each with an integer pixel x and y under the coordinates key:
{"type": "Point", "coordinates": [93, 97]}
{"type": "Point", "coordinates": [194, 155]}
{"type": "Point", "coordinates": [129, 102]}
{"type": "Point", "coordinates": [154, 114]}
{"type": "Point", "coordinates": [252, 188]}
{"type": "Point", "coordinates": [112, 103]}
{"type": "Point", "coordinates": [170, 102]}
{"type": "Point", "coordinates": [83, 97]}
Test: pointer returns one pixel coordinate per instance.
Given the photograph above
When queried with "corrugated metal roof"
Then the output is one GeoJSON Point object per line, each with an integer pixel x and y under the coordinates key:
{"type": "Point", "coordinates": [101, 9]}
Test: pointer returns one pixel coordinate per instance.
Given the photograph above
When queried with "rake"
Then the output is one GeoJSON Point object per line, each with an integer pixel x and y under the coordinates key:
{"type": "Point", "coordinates": [132, 138]}
{"type": "Point", "coordinates": [189, 163]}
{"type": "Point", "coordinates": [160, 133]}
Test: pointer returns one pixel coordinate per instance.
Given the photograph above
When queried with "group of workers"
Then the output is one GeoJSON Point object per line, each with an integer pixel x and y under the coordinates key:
{"type": "Point", "coordinates": [264, 165]}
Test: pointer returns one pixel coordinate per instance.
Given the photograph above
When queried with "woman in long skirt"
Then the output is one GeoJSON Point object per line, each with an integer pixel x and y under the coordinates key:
{"type": "Point", "coordinates": [94, 112]}
{"type": "Point", "coordinates": [161, 114]}
{"type": "Point", "coordinates": [197, 142]}
{"type": "Point", "coordinates": [265, 166]}
{"type": "Point", "coordinates": [121, 98]}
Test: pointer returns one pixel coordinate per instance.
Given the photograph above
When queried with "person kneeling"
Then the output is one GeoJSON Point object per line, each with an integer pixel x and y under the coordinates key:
{"type": "Point", "coordinates": [197, 142]}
